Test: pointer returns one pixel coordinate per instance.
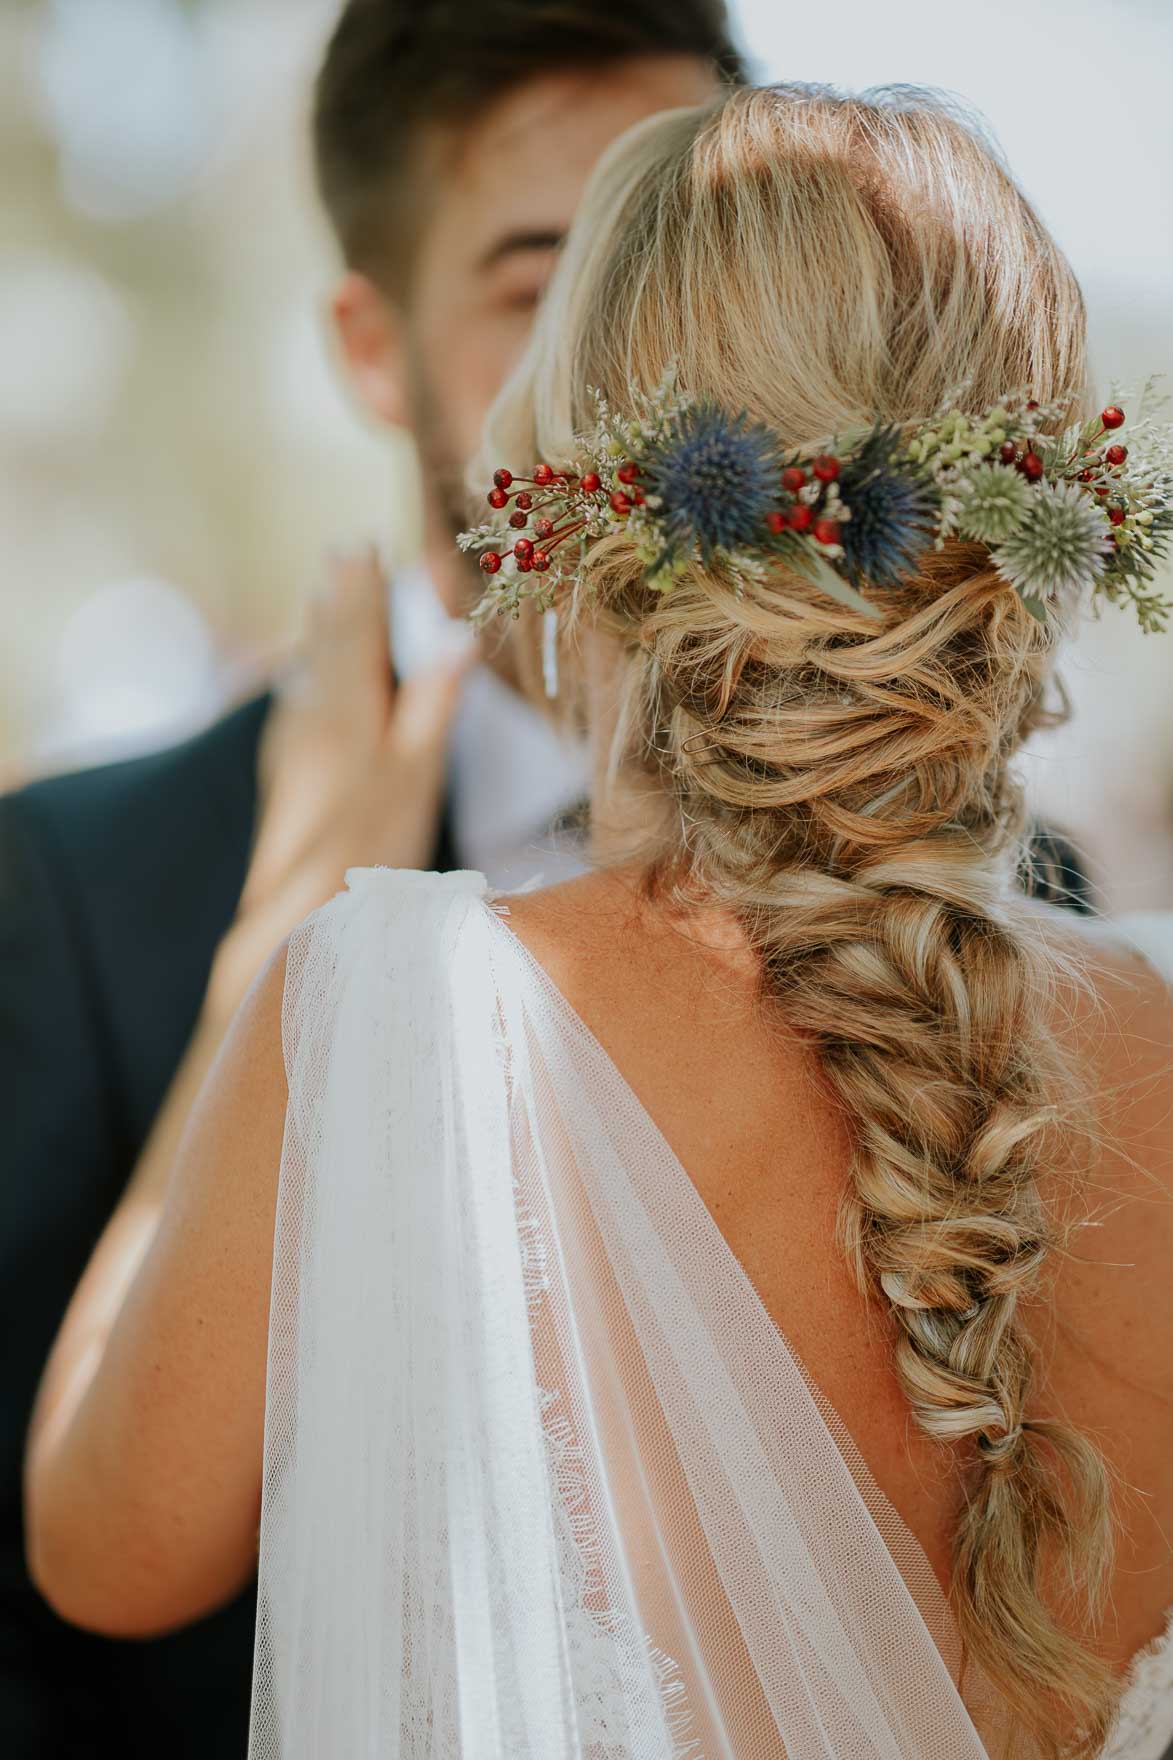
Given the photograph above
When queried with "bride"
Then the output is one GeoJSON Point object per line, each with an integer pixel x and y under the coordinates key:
{"type": "Point", "coordinates": [717, 1307]}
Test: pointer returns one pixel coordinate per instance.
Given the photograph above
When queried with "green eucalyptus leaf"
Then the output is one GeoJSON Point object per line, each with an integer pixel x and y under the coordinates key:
{"type": "Point", "coordinates": [818, 570]}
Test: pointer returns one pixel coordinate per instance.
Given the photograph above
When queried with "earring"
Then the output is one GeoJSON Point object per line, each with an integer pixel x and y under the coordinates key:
{"type": "Point", "coordinates": [550, 652]}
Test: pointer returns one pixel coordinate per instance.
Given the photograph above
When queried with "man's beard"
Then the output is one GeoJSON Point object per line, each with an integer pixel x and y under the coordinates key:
{"type": "Point", "coordinates": [443, 468]}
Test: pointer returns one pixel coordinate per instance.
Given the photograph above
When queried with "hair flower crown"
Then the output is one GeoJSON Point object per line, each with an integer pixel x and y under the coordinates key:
{"type": "Point", "coordinates": [688, 481]}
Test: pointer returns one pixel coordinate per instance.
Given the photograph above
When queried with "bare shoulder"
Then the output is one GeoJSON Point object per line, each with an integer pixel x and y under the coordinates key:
{"type": "Point", "coordinates": [1114, 1015]}
{"type": "Point", "coordinates": [620, 953]}
{"type": "Point", "coordinates": [575, 924]}
{"type": "Point", "coordinates": [1104, 1323]}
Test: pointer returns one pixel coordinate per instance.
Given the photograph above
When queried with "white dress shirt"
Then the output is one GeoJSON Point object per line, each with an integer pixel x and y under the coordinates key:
{"type": "Point", "coordinates": [511, 773]}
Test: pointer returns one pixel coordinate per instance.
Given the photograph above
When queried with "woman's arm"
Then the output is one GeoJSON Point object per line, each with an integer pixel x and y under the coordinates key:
{"type": "Point", "coordinates": [143, 1466]}
{"type": "Point", "coordinates": [143, 1462]}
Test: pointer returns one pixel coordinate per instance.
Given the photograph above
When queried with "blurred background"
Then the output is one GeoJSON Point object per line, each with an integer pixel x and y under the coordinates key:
{"type": "Point", "coordinates": [176, 449]}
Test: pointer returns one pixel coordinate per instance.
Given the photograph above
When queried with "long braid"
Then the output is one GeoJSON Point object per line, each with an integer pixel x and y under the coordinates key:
{"type": "Point", "coordinates": [848, 796]}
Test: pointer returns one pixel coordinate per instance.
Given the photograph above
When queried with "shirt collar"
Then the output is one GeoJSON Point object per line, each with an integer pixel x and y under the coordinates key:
{"type": "Point", "coordinates": [511, 771]}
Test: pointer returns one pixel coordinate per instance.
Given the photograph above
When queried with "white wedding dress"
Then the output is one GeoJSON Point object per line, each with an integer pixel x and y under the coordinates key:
{"type": "Point", "coordinates": [543, 1481]}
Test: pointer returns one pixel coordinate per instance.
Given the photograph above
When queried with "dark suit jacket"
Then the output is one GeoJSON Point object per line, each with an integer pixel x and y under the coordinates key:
{"type": "Point", "coordinates": [116, 884]}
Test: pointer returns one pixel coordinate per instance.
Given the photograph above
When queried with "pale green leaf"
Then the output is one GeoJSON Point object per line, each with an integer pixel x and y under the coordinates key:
{"type": "Point", "coordinates": [819, 570]}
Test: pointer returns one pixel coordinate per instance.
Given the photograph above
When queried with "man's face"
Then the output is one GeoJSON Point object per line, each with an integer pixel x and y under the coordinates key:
{"type": "Point", "coordinates": [499, 213]}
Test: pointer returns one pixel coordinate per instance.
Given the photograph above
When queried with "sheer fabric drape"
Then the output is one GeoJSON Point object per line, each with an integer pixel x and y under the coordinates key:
{"type": "Point", "coordinates": [543, 1481]}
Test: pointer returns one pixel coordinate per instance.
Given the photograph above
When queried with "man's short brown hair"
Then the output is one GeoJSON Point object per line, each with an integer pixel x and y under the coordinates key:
{"type": "Point", "coordinates": [397, 70]}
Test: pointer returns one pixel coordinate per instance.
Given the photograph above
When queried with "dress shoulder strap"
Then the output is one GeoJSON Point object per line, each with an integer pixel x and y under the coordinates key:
{"type": "Point", "coordinates": [409, 1590]}
{"type": "Point", "coordinates": [541, 1479]}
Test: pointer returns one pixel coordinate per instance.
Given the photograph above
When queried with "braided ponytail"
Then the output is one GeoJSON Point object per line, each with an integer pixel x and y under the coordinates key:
{"type": "Point", "coordinates": [873, 876]}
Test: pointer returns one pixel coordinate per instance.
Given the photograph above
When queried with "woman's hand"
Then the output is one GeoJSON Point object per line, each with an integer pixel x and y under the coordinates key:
{"type": "Point", "coordinates": [351, 769]}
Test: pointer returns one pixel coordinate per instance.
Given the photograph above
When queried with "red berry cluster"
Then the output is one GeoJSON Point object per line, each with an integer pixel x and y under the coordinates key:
{"type": "Point", "coordinates": [1032, 467]}
{"type": "Point", "coordinates": [1105, 461]}
{"type": "Point", "coordinates": [627, 492]}
{"type": "Point", "coordinates": [802, 516]}
{"type": "Point", "coordinates": [527, 554]}
{"type": "Point", "coordinates": [530, 555]}
{"type": "Point", "coordinates": [1027, 461]}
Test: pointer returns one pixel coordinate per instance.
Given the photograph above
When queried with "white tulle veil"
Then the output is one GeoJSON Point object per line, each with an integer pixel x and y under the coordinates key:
{"type": "Point", "coordinates": [543, 1481]}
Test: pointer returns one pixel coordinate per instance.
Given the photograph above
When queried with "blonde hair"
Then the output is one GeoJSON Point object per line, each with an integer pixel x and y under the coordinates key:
{"type": "Point", "coordinates": [843, 783]}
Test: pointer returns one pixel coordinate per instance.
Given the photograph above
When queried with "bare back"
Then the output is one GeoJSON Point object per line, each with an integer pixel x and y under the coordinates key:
{"type": "Point", "coordinates": [741, 1103]}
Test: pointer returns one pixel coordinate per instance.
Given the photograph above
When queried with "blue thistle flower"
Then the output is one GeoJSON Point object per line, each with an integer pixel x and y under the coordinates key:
{"type": "Point", "coordinates": [717, 477]}
{"type": "Point", "coordinates": [892, 507]}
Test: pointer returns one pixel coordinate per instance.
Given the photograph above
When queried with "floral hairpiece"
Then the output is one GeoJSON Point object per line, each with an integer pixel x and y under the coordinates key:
{"type": "Point", "coordinates": [688, 481]}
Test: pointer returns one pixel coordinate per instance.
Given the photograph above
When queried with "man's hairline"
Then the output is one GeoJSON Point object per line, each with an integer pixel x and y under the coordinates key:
{"type": "Point", "coordinates": [425, 160]}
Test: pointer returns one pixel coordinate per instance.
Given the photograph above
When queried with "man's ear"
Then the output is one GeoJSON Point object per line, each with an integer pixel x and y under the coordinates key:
{"type": "Point", "coordinates": [370, 334]}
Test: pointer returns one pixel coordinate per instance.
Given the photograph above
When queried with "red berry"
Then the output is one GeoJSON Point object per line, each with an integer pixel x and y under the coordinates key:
{"type": "Point", "coordinates": [776, 521]}
{"type": "Point", "coordinates": [497, 497]}
{"type": "Point", "coordinates": [1008, 452]}
{"type": "Point", "coordinates": [1116, 454]}
{"type": "Point", "coordinates": [502, 478]}
{"type": "Point", "coordinates": [826, 469]}
{"type": "Point", "coordinates": [543, 474]}
{"type": "Point", "coordinates": [524, 564]}
{"type": "Point", "coordinates": [793, 478]}
{"type": "Point", "coordinates": [591, 483]}
{"type": "Point", "coordinates": [628, 471]}
{"type": "Point", "coordinates": [827, 531]}
{"type": "Point", "coordinates": [541, 561]}
{"type": "Point", "coordinates": [620, 502]}
{"type": "Point", "coordinates": [799, 517]}
{"type": "Point", "coordinates": [1112, 417]}
{"type": "Point", "coordinates": [1033, 403]}
{"type": "Point", "coordinates": [543, 527]}
{"type": "Point", "coordinates": [638, 497]}
{"type": "Point", "coordinates": [525, 499]}
{"type": "Point", "coordinates": [523, 549]}
{"type": "Point", "coordinates": [1117, 515]}
{"type": "Point", "coordinates": [518, 521]}
{"type": "Point", "coordinates": [1031, 466]}
{"type": "Point", "coordinates": [1102, 489]}
{"type": "Point", "coordinates": [1085, 477]}
{"type": "Point", "coordinates": [490, 561]}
